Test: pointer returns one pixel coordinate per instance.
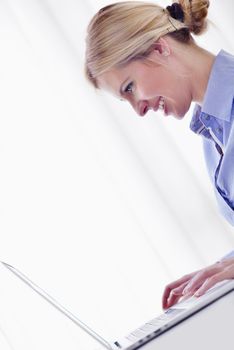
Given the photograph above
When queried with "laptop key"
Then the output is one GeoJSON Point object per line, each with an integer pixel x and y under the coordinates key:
{"type": "Point", "coordinates": [159, 320]}
{"type": "Point", "coordinates": [138, 333]}
{"type": "Point", "coordinates": [147, 327]}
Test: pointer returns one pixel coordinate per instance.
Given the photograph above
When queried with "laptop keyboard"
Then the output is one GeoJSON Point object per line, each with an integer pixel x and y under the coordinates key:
{"type": "Point", "coordinates": [152, 326]}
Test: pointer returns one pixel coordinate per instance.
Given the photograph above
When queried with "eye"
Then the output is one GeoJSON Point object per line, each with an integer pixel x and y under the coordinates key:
{"type": "Point", "coordinates": [129, 87]}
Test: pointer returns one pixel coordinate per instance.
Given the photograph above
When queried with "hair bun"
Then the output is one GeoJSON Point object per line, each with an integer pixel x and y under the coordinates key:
{"type": "Point", "coordinates": [176, 11]}
{"type": "Point", "coordinates": [195, 15]}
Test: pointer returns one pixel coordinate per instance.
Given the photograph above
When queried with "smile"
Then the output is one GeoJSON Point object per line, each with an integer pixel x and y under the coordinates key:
{"type": "Point", "coordinates": [161, 103]}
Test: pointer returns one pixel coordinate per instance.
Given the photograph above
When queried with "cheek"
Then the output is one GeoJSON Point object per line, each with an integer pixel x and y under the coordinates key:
{"type": "Point", "coordinates": [148, 88]}
{"type": "Point", "coordinates": [181, 105]}
{"type": "Point", "coordinates": [180, 91]}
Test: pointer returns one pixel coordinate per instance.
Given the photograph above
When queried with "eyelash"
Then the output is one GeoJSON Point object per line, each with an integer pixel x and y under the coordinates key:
{"type": "Point", "coordinates": [126, 89]}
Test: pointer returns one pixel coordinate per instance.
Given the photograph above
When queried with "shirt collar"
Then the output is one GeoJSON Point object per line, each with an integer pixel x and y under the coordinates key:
{"type": "Point", "coordinates": [220, 89]}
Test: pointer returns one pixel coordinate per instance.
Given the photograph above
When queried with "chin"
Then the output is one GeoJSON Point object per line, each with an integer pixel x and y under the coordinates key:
{"type": "Point", "coordinates": [180, 117]}
{"type": "Point", "coordinates": [179, 114]}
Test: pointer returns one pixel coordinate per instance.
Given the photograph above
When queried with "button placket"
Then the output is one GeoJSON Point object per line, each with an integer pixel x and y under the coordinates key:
{"type": "Point", "coordinates": [215, 130]}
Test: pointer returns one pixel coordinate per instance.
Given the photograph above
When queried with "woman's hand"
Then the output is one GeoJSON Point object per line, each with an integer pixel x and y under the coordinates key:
{"type": "Point", "coordinates": [198, 282]}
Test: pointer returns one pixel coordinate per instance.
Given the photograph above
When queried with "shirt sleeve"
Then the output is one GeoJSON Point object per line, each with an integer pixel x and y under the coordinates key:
{"type": "Point", "coordinates": [227, 256]}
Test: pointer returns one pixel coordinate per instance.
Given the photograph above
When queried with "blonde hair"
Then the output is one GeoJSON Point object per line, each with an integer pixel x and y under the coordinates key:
{"type": "Point", "coordinates": [126, 31]}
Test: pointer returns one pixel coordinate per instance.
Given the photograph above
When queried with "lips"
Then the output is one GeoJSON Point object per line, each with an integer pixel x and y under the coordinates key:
{"type": "Point", "coordinates": [144, 109]}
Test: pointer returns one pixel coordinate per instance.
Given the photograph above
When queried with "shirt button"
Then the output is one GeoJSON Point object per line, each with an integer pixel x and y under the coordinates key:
{"type": "Point", "coordinates": [219, 129]}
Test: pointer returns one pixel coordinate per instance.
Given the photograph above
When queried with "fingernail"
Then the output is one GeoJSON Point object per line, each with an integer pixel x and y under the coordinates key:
{"type": "Point", "coordinates": [185, 291]}
{"type": "Point", "coordinates": [175, 292]}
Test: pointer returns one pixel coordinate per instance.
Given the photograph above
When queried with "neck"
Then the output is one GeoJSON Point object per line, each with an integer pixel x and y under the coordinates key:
{"type": "Point", "coordinates": [200, 64]}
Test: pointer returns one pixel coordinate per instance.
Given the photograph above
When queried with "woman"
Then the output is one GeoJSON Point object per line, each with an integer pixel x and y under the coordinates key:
{"type": "Point", "coordinates": [145, 54]}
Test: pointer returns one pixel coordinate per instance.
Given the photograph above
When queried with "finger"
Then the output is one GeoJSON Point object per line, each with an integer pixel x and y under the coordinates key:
{"type": "Point", "coordinates": [188, 295]}
{"type": "Point", "coordinates": [179, 290]}
{"type": "Point", "coordinates": [177, 295]}
{"type": "Point", "coordinates": [173, 285]}
{"type": "Point", "coordinates": [211, 281]}
{"type": "Point", "coordinates": [200, 278]}
{"type": "Point", "coordinates": [174, 296]}
{"type": "Point", "coordinates": [172, 300]}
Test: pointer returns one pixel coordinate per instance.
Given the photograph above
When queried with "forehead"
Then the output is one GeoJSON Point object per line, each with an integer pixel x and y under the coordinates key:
{"type": "Point", "coordinates": [112, 80]}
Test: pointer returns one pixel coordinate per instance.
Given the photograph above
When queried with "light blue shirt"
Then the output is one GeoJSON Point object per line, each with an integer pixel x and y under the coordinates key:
{"type": "Point", "coordinates": [214, 122]}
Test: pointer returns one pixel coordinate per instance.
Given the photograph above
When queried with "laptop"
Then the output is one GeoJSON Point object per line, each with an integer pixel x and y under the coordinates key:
{"type": "Point", "coordinates": [151, 329]}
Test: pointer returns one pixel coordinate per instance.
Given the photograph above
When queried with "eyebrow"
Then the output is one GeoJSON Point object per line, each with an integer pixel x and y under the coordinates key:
{"type": "Point", "coordinates": [121, 87]}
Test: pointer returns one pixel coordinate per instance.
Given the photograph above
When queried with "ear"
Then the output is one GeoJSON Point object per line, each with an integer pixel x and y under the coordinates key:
{"type": "Point", "coordinates": [162, 47]}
